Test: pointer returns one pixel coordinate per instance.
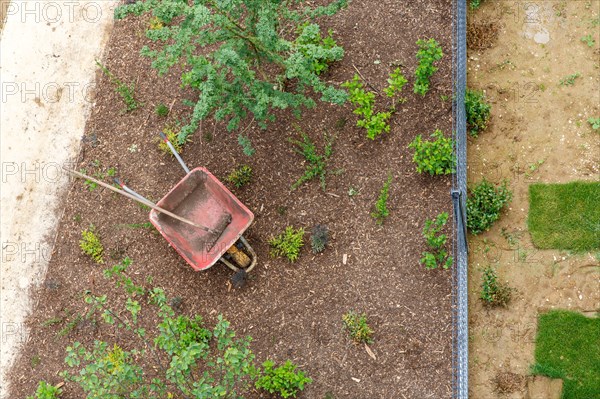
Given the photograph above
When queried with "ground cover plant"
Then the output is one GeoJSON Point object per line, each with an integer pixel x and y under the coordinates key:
{"type": "Point", "coordinates": [285, 380]}
{"type": "Point", "coordinates": [90, 244]}
{"type": "Point", "coordinates": [291, 311]}
{"type": "Point", "coordinates": [567, 346]}
{"type": "Point", "coordinates": [244, 37]}
{"type": "Point", "coordinates": [565, 216]}
{"type": "Point", "coordinates": [240, 176]}
{"type": "Point", "coordinates": [484, 203]}
{"type": "Point", "coordinates": [316, 164]}
{"type": "Point", "coordinates": [127, 92]}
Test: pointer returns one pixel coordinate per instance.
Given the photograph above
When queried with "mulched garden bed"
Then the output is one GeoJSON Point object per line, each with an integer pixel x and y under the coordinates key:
{"type": "Point", "coordinates": [291, 310]}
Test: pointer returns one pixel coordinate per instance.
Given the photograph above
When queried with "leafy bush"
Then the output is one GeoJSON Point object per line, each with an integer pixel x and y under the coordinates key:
{"type": "Point", "coordinates": [288, 243]}
{"type": "Point", "coordinates": [357, 326]}
{"type": "Point", "coordinates": [364, 101]}
{"type": "Point", "coordinates": [493, 292]}
{"type": "Point", "coordinates": [428, 53]}
{"type": "Point", "coordinates": [437, 242]}
{"type": "Point", "coordinates": [435, 157]}
{"type": "Point", "coordinates": [309, 38]}
{"type": "Point", "coordinates": [283, 380]}
{"type": "Point", "coordinates": [594, 122]}
{"type": "Point", "coordinates": [246, 145]}
{"type": "Point", "coordinates": [316, 165]}
{"type": "Point", "coordinates": [46, 391]}
{"type": "Point", "coordinates": [478, 112]}
{"type": "Point", "coordinates": [484, 205]}
{"type": "Point", "coordinates": [381, 211]}
{"type": "Point", "coordinates": [178, 358]}
{"type": "Point", "coordinates": [90, 244]}
{"type": "Point", "coordinates": [240, 176]}
{"type": "Point", "coordinates": [319, 238]}
{"type": "Point", "coordinates": [239, 55]}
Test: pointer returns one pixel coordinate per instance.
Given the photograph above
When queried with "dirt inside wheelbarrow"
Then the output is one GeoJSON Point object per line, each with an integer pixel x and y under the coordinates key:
{"type": "Point", "coordinates": [292, 311]}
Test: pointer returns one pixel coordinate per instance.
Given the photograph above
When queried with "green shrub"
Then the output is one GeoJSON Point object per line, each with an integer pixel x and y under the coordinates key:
{"type": "Point", "coordinates": [375, 123]}
{"type": "Point", "coordinates": [357, 326]}
{"type": "Point", "coordinates": [478, 112]}
{"type": "Point", "coordinates": [90, 244]}
{"type": "Point", "coordinates": [594, 122]}
{"type": "Point", "coordinates": [177, 357]}
{"type": "Point", "coordinates": [309, 38]}
{"type": "Point", "coordinates": [493, 292]}
{"type": "Point", "coordinates": [428, 53]}
{"type": "Point", "coordinates": [240, 56]}
{"type": "Point", "coordinates": [437, 242]}
{"type": "Point", "coordinates": [161, 110]}
{"type": "Point", "coordinates": [240, 176]}
{"type": "Point", "coordinates": [284, 380]}
{"type": "Point", "coordinates": [319, 238]}
{"type": "Point", "coordinates": [484, 205]}
{"type": "Point", "coordinates": [246, 145]}
{"type": "Point", "coordinates": [316, 165]}
{"type": "Point", "coordinates": [435, 157]}
{"type": "Point", "coordinates": [288, 243]}
{"type": "Point", "coordinates": [46, 391]}
{"type": "Point", "coordinates": [171, 131]}
{"type": "Point", "coordinates": [381, 211]}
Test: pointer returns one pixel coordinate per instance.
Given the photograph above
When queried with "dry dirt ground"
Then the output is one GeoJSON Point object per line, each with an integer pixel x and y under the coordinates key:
{"type": "Point", "coordinates": [293, 311]}
{"type": "Point", "coordinates": [47, 80]}
{"type": "Point", "coordinates": [538, 133]}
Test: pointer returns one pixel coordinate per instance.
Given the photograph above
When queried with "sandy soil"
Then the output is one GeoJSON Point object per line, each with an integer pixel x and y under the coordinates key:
{"type": "Point", "coordinates": [47, 54]}
{"type": "Point", "coordinates": [539, 133]}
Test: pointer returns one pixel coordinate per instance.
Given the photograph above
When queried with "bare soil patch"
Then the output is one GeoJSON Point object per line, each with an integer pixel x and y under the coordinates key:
{"type": "Point", "coordinates": [291, 310]}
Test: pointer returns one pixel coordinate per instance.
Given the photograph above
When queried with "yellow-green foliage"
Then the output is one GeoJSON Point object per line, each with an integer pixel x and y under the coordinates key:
{"type": "Point", "coordinates": [357, 327]}
{"type": "Point", "coordinates": [90, 244]}
{"type": "Point", "coordinates": [288, 243]}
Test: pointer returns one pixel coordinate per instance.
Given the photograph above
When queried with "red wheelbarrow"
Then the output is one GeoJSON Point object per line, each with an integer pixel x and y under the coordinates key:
{"type": "Point", "coordinates": [200, 197]}
{"type": "Point", "coordinates": [201, 219]}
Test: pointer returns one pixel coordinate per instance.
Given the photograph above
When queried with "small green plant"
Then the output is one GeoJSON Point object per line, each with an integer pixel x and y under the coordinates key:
{"type": "Point", "coordinates": [429, 52]}
{"type": "Point", "coordinates": [316, 165]}
{"type": "Point", "coordinates": [246, 145]}
{"type": "Point", "coordinates": [396, 83]}
{"type": "Point", "coordinates": [381, 210]}
{"type": "Point", "coordinates": [478, 112]}
{"type": "Point", "coordinates": [484, 205]}
{"type": "Point", "coordinates": [437, 243]}
{"type": "Point", "coordinates": [493, 292]}
{"type": "Point", "coordinates": [375, 123]}
{"type": "Point", "coordinates": [358, 328]}
{"type": "Point", "coordinates": [435, 157]}
{"type": "Point", "coordinates": [161, 110]}
{"type": "Point", "coordinates": [319, 238]}
{"type": "Point", "coordinates": [126, 92]}
{"type": "Point", "coordinates": [90, 244]}
{"type": "Point", "coordinates": [288, 243]}
{"type": "Point", "coordinates": [240, 176]}
{"type": "Point", "coordinates": [46, 391]}
{"type": "Point", "coordinates": [35, 361]}
{"type": "Point", "coordinates": [594, 122]}
{"type": "Point", "coordinates": [285, 380]}
{"type": "Point", "coordinates": [352, 192]}
{"type": "Point", "coordinates": [589, 40]}
{"type": "Point", "coordinates": [570, 79]}
{"type": "Point", "coordinates": [475, 4]}
{"type": "Point", "coordinates": [70, 326]}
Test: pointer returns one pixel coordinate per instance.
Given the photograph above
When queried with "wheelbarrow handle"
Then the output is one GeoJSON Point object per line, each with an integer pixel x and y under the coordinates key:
{"type": "Point", "coordinates": [163, 136]}
{"type": "Point", "coordinates": [127, 189]}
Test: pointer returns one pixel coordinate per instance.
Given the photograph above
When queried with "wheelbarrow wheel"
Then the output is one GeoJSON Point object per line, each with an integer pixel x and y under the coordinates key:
{"type": "Point", "coordinates": [239, 257]}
